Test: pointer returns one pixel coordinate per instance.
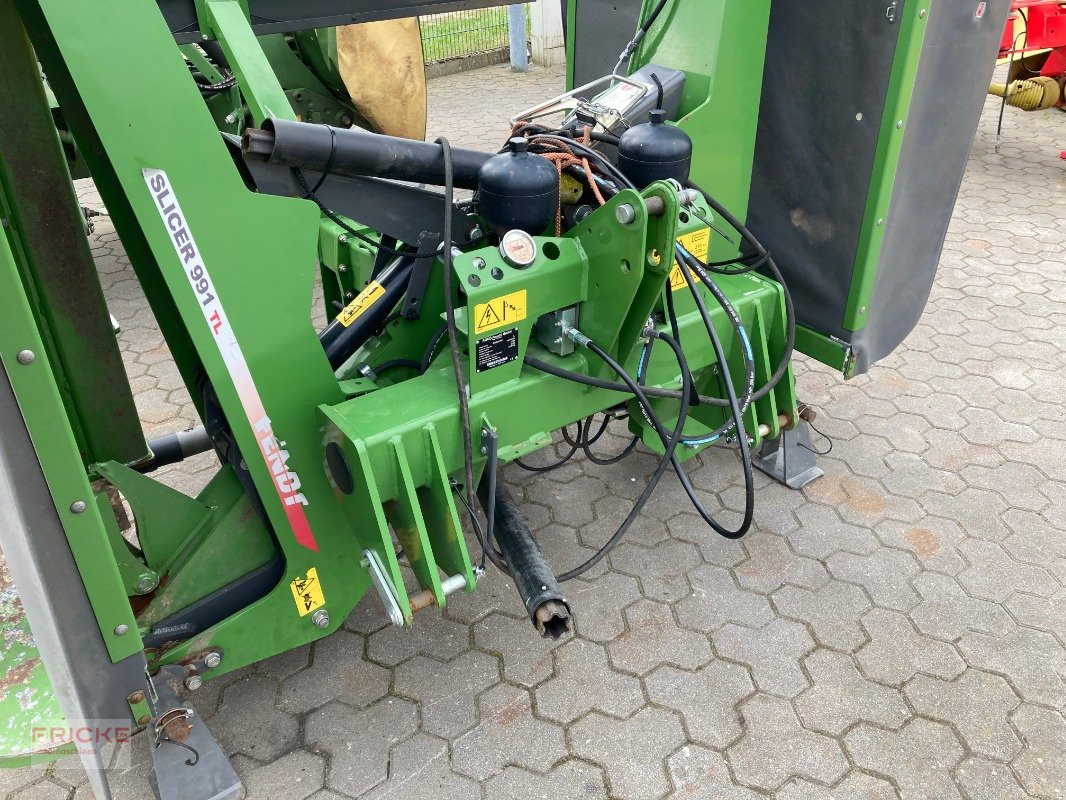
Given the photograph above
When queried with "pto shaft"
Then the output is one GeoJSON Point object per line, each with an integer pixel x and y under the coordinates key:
{"type": "Point", "coordinates": [536, 583]}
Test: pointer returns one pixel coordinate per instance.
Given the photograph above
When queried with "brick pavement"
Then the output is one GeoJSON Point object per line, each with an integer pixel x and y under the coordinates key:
{"type": "Point", "coordinates": [895, 630]}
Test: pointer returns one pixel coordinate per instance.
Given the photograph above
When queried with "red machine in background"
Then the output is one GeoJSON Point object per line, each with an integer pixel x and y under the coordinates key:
{"type": "Point", "coordinates": [1034, 41]}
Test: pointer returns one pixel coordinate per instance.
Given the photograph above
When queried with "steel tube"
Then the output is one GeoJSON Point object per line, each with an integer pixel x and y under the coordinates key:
{"type": "Point", "coordinates": [359, 154]}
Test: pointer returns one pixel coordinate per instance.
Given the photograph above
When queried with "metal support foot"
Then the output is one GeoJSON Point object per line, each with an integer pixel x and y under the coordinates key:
{"type": "Point", "coordinates": [790, 459]}
{"type": "Point", "coordinates": [189, 763]}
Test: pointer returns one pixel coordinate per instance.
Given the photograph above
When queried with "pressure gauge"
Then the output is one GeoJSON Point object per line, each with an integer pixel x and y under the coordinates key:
{"type": "Point", "coordinates": [518, 249]}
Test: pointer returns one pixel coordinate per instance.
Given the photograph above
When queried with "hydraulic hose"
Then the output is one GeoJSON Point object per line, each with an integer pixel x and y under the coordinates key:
{"type": "Point", "coordinates": [790, 310]}
{"type": "Point", "coordinates": [670, 441]}
{"type": "Point", "coordinates": [367, 312]}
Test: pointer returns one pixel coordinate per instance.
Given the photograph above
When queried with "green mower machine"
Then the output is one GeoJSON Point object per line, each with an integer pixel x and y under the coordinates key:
{"type": "Point", "coordinates": [726, 183]}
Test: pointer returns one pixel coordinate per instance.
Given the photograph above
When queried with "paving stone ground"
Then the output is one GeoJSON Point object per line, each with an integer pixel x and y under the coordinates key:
{"type": "Point", "coordinates": [895, 630]}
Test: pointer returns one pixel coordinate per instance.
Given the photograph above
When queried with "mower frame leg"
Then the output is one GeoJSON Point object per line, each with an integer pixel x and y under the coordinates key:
{"type": "Point", "coordinates": [790, 459]}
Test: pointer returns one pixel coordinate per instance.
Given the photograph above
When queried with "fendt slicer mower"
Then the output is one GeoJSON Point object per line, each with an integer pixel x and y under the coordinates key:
{"type": "Point", "coordinates": [751, 178]}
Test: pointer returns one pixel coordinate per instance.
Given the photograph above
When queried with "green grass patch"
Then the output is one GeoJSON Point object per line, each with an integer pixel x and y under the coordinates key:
{"type": "Point", "coordinates": [465, 33]}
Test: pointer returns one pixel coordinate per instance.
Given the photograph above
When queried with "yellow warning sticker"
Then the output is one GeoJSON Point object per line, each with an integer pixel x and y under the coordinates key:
{"type": "Point", "coordinates": [699, 244]}
{"type": "Point", "coordinates": [502, 311]}
{"type": "Point", "coordinates": [677, 279]}
{"type": "Point", "coordinates": [307, 592]}
{"type": "Point", "coordinates": [363, 301]}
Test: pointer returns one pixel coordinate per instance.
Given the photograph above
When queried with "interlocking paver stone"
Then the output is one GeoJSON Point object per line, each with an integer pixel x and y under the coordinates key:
{"type": "Point", "coordinates": [947, 612]}
{"type": "Point", "coordinates": [707, 699]}
{"type": "Point", "coordinates": [978, 704]}
{"type": "Point", "coordinates": [653, 637]}
{"type": "Point", "coordinates": [773, 652]}
{"type": "Point", "coordinates": [982, 779]}
{"type": "Point", "coordinates": [571, 780]}
{"type": "Point", "coordinates": [337, 672]}
{"type": "Point", "coordinates": [995, 575]}
{"type": "Point", "coordinates": [446, 692]}
{"type": "Point", "coordinates": [584, 681]}
{"type": "Point", "coordinates": [507, 734]}
{"type": "Point", "coordinates": [716, 599]}
{"type": "Point", "coordinates": [660, 569]}
{"type": "Point", "coordinates": [435, 635]}
{"type": "Point", "coordinates": [840, 696]}
{"type": "Point", "coordinates": [298, 775]}
{"type": "Point", "coordinates": [419, 770]}
{"type": "Point", "coordinates": [1031, 660]}
{"type": "Point", "coordinates": [632, 752]}
{"type": "Point", "coordinates": [857, 786]}
{"type": "Point", "coordinates": [771, 564]}
{"type": "Point", "coordinates": [601, 603]}
{"type": "Point", "coordinates": [358, 742]}
{"type": "Point", "coordinates": [702, 774]}
{"type": "Point", "coordinates": [918, 758]}
{"type": "Point", "coordinates": [526, 660]}
{"type": "Point", "coordinates": [833, 612]}
{"type": "Point", "coordinates": [776, 747]}
{"type": "Point", "coordinates": [248, 705]}
{"type": "Point", "coordinates": [896, 651]}
{"type": "Point", "coordinates": [885, 574]}
{"type": "Point", "coordinates": [1041, 767]}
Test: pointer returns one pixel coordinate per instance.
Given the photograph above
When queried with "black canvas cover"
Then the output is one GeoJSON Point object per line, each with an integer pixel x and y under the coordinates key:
{"type": "Point", "coordinates": [828, 70]}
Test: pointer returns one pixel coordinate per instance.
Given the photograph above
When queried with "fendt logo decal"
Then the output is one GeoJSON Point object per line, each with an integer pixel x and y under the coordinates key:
{"type": "Point", "coordinates": [275, 456]}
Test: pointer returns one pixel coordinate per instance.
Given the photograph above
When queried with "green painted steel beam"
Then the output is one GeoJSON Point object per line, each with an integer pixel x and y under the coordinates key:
{"type": "Point", "coordinates": [913, 23]}
{"type": "Point", "coordinates": [228, 23]}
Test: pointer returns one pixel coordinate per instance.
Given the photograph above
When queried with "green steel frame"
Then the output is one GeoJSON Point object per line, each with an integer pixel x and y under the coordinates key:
{"type": "Point", "coordinates": [229, 275]}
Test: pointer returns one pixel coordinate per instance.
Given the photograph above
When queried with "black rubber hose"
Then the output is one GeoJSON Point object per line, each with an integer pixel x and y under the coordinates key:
{"type": "Point", "coordinates": [669, 441]}
{"type": "Point", "coordinates": [614, 386]}
{"type": "Point", "coordinates": [340, 340]}
{"type": "Point", "coordinates": [488, 549]}
{"type": "Point", "coordinates": [790, 310]}
{"type": "Point", "coordinates": [397, 363]}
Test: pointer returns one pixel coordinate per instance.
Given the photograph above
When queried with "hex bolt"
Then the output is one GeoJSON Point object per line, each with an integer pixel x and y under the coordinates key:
{"type": "Point", "coordinates": [193, 682]}
{"type": "Point", "coordinates": [899, 125]}
{"type": "Point", "coordinates": [479, 263]}
{"type": "Point", "coordinates": [145, 584]}
{"type": "Point", "coordinates": [922, 13]}
{"type": "Point", "coordinates": [625, 214]}
{"type": "Point", "coordinates": [320, 618]}
{"type": "Point", "coordinates": [78, 507]}
{"type": "Point", "coordinates": [136, 697]}
{"type": "Point", "coordinates": [342, 268]}
{"type": "Point", "coordinates": [343, 239]}
{"type": "Point", "coordinates": [212, 660]}
{"type": "Point", "coordinates": [880, 222]}
{"type": "Point", "coordinates": [122, 630]}
{"type": "Point", "coordinates": [688, 196]}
